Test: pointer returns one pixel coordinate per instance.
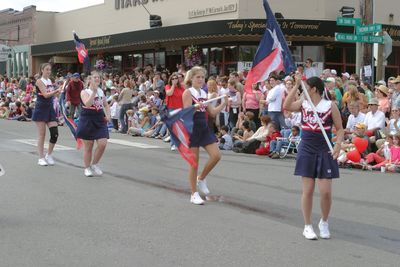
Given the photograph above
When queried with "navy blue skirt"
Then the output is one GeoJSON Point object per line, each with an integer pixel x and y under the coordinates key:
{"type": "Point", "coordinates": [92, 125]}
{"type": "Point", "coordinates": [314, 159]}
{"type": "Point", "coordinates": [44, 112]}
{"type": "Point", "coordinates": [202, 134]}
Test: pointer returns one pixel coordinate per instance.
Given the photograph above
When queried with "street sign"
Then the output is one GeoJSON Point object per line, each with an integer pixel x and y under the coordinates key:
{"type": "Point", "coordinates": [346, 37]}
{"type": "Point", "coordinates": [371, 28]}
{"type": "Point", "coordinates": [353, 38]}
{"type": "Point", "coordinates": [341, 21]}
{"type": "Point", "coordinates": [388, 45]}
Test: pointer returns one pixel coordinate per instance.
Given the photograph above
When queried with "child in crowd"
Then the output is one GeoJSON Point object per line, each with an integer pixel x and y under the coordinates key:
{"type": "Point", "coordinates": [142, 125]}
{"type": "Point", "coordinates": [247, 133]}
{"type": "Point", "coordinates": [276, 145]}
{"type": "Point", "coordinates": [225, 142]}
{"type": "Point", "coordinates": [273, 133]}
{"type": "Point", "coordinates": [115, 110]}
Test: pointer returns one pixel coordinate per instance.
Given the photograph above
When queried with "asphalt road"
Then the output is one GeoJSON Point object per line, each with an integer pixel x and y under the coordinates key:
{"type": "Point", "coordinates": [138, 213]}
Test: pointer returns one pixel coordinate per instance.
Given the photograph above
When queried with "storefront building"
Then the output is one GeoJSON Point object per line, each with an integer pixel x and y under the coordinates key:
{"type": "Point", "coordinates": [221, 35]}
{"type": "Point", "coordinates": [18, 31]}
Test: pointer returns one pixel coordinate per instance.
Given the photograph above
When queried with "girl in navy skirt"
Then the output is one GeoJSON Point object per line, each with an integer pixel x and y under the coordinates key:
{"type": "Point", "coordinates": [92, 125]}
{"type": "Point", "coordinates": [314, 159]}
{"type": "Point", "coordinates": [44, 114]}
{"type": "Point", "coordinates": [202, 136]}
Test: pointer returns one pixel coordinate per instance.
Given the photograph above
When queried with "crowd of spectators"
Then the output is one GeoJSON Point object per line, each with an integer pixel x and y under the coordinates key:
{"type": "Point", "coordinates": [253, 122]}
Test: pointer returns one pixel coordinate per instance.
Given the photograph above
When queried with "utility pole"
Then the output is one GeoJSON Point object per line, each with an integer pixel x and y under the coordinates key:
{"type": "Point", "coordinates": [368, 18]}
{"type": "Point", "coordinates": [359, 46]}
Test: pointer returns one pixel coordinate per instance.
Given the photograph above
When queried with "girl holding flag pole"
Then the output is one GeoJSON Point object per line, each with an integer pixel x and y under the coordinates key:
{"type": "Point", "coordinates": [316, 158]}
{"type": "Point", "coordinates": [201, 135]}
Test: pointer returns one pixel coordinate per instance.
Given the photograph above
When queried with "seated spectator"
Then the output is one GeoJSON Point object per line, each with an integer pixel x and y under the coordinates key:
{"type": "Point", "coordinates": [276, 145]}
{"type": "Point", "coordinates": [273, 133]}
{"type": "Point", "coordinates": [355, 117]}
{"type": "Point", "coordinates": [225, 142]}
{"type": "Point", "coordinates": [382, 93]}
{"type": "Point", "coordinates": [249, 116]}
{"type": "Point", "coordinates": [393, 125]}
{"type": "Point", "coordinates": [142, 124]}
{"type": "Point", "coordinates": [155, 124]}
{"type": "Point", "coordinates": [390, 159]}
{"type": "Point", "coordinates": [247, 133]}
{"type": "Point", "coordinates": [374, 120]}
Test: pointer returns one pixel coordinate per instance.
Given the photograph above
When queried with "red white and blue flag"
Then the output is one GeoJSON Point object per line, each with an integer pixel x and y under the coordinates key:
{"type": "Point", "coordinates": [273, 54]}
{"type": "Point", "coordinates": [83, 54]}
{"type": "Point", "coordinates": [180, 125]}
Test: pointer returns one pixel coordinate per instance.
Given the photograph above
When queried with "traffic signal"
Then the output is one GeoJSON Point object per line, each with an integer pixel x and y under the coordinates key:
{"type": "Point", "coordinates": [155, 21]}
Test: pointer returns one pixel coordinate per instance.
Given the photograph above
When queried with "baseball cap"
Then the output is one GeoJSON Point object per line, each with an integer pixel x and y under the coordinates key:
{"type": "Point", "coordinates": [346, 74]}
{"type": "Point", "coordinates": [330, 80]}
{"type": "Point", "coordinates": [76, 75]}
{"type": "Point", "coordinates": [333, 72]}
{"type": "Point", "coordinates": [381, 82]}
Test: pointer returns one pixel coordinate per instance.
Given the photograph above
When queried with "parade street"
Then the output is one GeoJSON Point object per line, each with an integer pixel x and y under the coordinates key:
{"type": "Point", "coordinates": [139, 214]}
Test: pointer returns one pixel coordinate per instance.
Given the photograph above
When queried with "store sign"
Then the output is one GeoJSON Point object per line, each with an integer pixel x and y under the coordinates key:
{"type": "Point", "coordinates": [100, 41]}
{"type": "Point", "coordinates": [5, 51]}
{"type": "Point", "coordinates": [244, 65]}
{"type": "Point", "coordinates": [209, 11]}
{"type": "Point", "coordinates": [121, 4]}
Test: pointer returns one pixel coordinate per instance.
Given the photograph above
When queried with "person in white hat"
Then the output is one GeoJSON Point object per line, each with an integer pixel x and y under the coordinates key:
{"type": "Point", "coordinates": [375, 119]}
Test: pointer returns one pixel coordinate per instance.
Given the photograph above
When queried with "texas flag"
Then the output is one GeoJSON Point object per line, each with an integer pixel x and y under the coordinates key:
{"type": "Point", "coordinates": [180, 125]}
{"type": "Point", "coordinates": [272, 54]}
{"type": "Point", "coordinates": [83, 54]}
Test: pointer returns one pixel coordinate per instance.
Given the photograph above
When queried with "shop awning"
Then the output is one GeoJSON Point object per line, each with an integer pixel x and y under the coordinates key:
{"type": "Point", "coordinates": [211, 29]}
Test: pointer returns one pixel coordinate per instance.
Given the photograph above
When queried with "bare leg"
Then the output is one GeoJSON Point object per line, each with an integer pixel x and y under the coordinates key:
{"type": "Point", "coordinates": [214, 156]}
{"type": "Point", "coordinates": [193, 171]}
{"type": "Point", "coordinates": [98, 153]}
{"type": "Point", "coordinates": [325, 191]}
{"type": "Point", "coordinates": [307, 198]}
{"type": "Point", "coordinates": [41, 126]}
{"type": "Point", "coordinates": [87, 152]}
{"type": "Point", "coordinates": [51, 146]}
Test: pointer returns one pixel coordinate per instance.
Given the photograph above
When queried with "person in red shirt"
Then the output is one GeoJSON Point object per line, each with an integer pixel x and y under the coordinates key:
{"type": "Point", "coordinates": [74, 88]}
{"type": "Point", "coordinates": [272, 135]}
{"type": "Point", "coordinates": [174, 91]}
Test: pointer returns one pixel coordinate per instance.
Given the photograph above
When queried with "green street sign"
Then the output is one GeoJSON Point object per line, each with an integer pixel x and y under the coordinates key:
{"type": "Point", "coordinates": [353, 38]}
{"type": "Point", "coordinates": [341, 21]}
{"type": "Point", "coordinates": [371, 28]}
{"type": "Point", "coordinates": [371, 39]}
{"type": "Point", "coordinates": [346, 37]}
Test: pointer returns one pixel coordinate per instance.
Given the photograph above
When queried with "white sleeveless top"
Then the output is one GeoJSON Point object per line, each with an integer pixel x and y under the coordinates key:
{"type": "Point", "coordinates": [98, 100]}
{"type": "Point", "coordinates": [309, 121]}
{"type": "Point", "coordinates": [48, 84]}
{"type": "Point", "coordinates": [198, 97]}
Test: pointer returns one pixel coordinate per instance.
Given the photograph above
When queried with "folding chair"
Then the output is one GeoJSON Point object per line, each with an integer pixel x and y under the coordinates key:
{"type": "Point", "coordinates": [291, 145]}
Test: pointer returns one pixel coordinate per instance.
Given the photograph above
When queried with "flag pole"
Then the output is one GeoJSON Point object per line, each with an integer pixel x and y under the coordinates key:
{"type": "Point", "coordinates": [328, 142]}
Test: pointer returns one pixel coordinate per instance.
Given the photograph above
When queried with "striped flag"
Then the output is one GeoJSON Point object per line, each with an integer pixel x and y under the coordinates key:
{"type": "Point", "coordinates": [83, 54]}
{"type": "Point", "coordinates": [180, 125]}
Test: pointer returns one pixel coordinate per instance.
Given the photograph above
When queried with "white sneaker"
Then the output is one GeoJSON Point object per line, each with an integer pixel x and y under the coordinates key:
{"type": "Point", "coordinates": [196, 199]}
{"type": "Point", "coordinates": [42, 162]}
{"type": "Point", "coordinates": [49, 159]}
{"type": "Point", "coordinates": [309, 233]}
{"type": "Point", "coordinates": [173, 148]}
{"type": "Point", "coordinates": [88, 172]}
{"type": "Point", "coordinates": [96, 170]}
{"type": "Point", "coordinates": [324, 229]}
{"type": "Point", "coordinates": [202, 186]}
{"type": "Point", "coordinates": [167, 139]}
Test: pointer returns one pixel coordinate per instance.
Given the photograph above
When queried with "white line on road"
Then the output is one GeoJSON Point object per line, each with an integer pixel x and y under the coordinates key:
{"type": "Point", "coordinates": [33, 142]}
{"type": "Point", "coordinates": [132, 144]}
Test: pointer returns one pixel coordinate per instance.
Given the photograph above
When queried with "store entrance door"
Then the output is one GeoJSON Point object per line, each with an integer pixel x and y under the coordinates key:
{"type": "Point", "coordinates": [172, 59]}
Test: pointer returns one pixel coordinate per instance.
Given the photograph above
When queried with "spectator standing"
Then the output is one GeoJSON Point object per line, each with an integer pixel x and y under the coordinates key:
{"type": "Point", "coordinates": [251, 102]}
{"type": "Point", "coordinates": [274, 100]}
{"type": "Point", "coordinates": [309, 70]}
{"type": "Point", "coordinates": [73, 93]}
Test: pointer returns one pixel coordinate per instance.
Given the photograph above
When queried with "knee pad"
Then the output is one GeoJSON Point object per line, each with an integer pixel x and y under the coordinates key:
{"type": "Point", "coordinates": [53, 134]}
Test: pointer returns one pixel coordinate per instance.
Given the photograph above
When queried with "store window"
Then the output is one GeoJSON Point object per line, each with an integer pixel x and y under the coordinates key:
{"type": "Point", "coordinates": [333, 54]}
{"type": "Point", "coordinates": [247, 52]}
{"type": "Point", "coordinates": [216, 60]}
{"type": "Point", "coordinates": [138, 60]}
{"type": "Point", "coordinates": [316, 53]}
{"type": "Point", "coordinates": [117, 64]}
{"type": "Point", "coordinates": [159, 59]}
{"type": "Point", "coordinates": [296, 53]}
{"type": "Point", "coordinates": [148, 59]}
{"type": "Point", "coordinates": [350, 55]}
{"type": "Point", "coordinates": [230, 53]}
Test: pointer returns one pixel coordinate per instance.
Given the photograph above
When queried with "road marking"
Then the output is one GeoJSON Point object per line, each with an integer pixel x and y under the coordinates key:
{"type": "Point", "coordinates": [2, 171]}
{"type": "Point", "coordinates": [132, 144]}
{"type": "Point", "coordinates": [33, 142]}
